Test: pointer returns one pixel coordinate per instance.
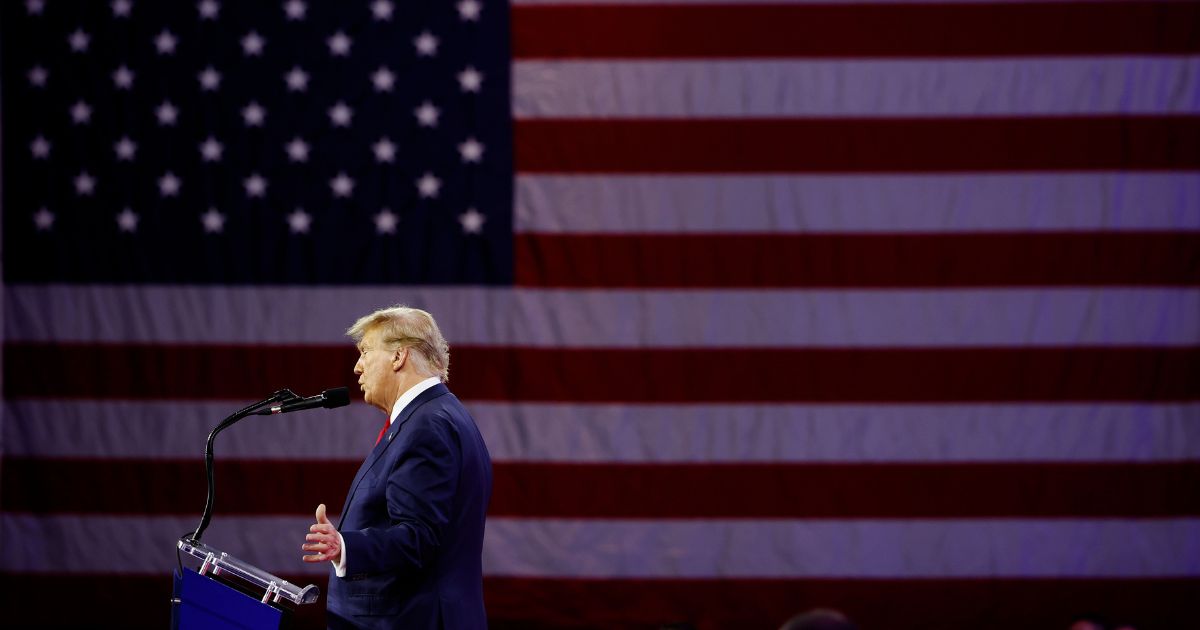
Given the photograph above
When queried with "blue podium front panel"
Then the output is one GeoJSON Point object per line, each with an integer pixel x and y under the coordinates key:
{"type": "Point", "coordinates": [210, 605]}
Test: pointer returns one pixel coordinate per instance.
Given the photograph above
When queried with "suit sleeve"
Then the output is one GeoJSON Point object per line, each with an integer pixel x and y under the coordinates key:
{"type": "Point", "coordinates": [420, 497]}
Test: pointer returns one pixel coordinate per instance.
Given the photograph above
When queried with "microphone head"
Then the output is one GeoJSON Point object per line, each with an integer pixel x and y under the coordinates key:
{"type": "Point", "coordinates": [336, 397]}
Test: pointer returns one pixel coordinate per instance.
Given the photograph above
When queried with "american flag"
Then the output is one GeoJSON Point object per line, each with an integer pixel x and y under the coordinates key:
{"type": "Point", "coordinates": [889, 307]}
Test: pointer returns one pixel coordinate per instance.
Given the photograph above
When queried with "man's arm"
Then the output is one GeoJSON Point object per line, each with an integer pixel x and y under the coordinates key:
{"type": "Point", "coordinates": [420, 498]}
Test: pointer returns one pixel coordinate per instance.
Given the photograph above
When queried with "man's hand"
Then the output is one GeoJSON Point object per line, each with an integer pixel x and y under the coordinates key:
{"type": "Point", "coordinates": [323, 539]}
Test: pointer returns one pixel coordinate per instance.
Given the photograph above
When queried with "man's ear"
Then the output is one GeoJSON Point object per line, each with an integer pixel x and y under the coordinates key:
{"type": "Point", "coordinates": [399, 358]}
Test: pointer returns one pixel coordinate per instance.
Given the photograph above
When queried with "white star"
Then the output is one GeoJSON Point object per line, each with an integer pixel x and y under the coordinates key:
{"type": "Point", "coordinates": [213, 221]}
{"type": "Point", "coordinates": [81, 113]}
{"type": "Point", "coordinates": [252, 44]}
{"type": "Point", "coordinates": [209, 79]}
{"type": "Point", "coordinates": [342, 185]}
{"type": "Point", "coordinates": [468, 10]}
{"type": "Point", "coordinates": [339, 44]}
{"type": "Point", "coordinates": [381, 10]}
{"type": "Point", "coordinates": [43, 219]}
{"type": "Point", "coordinates": [383, 79]}
{"type": "Point", "coordinates": [79, 40]}
{"type": "Point", "coordinates": [297, 79]}
{"type": "Point", "coordinates": [208, 9]}
{"type": "Point", "coordinates": [471, 150]}
{"type": "Point", "coordinates": [120, 8]}
{"type": "Point", "coordinates": [40, 148]}
{"type": "Point", "coordinates": [384, 150]}
{"type": "Point", "coordinates": [125, 149]}
{"type": "Point", "coordinates": [253, 114]}
{"type": "Point", "coordinates": [168, 184]}
{"type": "Point", "coordinates": [426, 44]}
{"type": "Point", "coordinates": [256, 185]}
{"type": "Point", "coordinates": [470, 79]}
{"type": "Point", "coordinates": [85, 184]}
{"type": "Point", "coordinates": [123, 77]}
{"type": "Point", "coordinates": [166, 113]}
{"type": "Point", "coordinates": [297, 150]}
{"type": "Point", "coordinates": [127, 220]}
{"type": "Point", "coordinates": [34, 7]}
{"type": "Point", "coordinates": [427, 114]}
{"type": "Point", "coordinates": [472, 221]}
{"type": "Point", "coordinates": [298, 221]}
{"type": "Point", "coordinates": [428, 186]}
{"type": "Point", "coordinates": [37, 76]}
{"type": "Point", "coordinates": [385, 222]}
{"type": "Point", "coordinates": [340, 114]}
{"type": "Point", "coordinates": [210, 150]}
{"type": "Point", "coordinates": [165, 43]}
{"type": "Point", "coordinates": [295, 9]}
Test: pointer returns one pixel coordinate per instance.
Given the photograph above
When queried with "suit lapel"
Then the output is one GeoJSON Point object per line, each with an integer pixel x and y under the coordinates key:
{"type": "Point", "coordinates": [377, 452]}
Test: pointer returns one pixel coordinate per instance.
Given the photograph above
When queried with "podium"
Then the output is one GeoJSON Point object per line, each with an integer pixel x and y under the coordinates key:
{"type": "Point", "coordinates": [202, 602]}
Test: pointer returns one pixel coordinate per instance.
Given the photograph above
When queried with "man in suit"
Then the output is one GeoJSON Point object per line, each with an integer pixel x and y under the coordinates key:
{"type": "Point", "coordinates": [407, 552]}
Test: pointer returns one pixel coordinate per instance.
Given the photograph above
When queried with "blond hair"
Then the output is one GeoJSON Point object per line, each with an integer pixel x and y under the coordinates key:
{"type": "Point", "coordinates": [405, 327]}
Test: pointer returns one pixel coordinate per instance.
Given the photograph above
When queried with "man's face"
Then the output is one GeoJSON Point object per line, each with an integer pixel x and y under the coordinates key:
{"type": "Point", "coordinates": [377, 377]}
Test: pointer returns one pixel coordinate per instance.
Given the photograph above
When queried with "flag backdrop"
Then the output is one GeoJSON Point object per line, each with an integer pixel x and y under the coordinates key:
{"type": "Point", "coordinates": [888, 307]}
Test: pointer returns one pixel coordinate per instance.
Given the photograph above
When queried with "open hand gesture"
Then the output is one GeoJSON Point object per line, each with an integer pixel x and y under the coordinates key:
{"type": "Point", "coordinates": [323, 540]}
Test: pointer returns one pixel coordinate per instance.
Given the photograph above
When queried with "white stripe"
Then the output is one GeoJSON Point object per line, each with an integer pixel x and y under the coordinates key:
{"type": "Point", "coordinates": [617, 319]}
{"type": "Point", "coordinates": [1023, 86]}
{"type": "Point", "coordinates": [1012, 548]}
{"type": "Point", "coordinates": [843, 549]}
{"type": "Point", "coordinates": [840, 433]}
{"type": "Point", "coordinates": [146, 545]}
{"type": "Point", "coordinates": [178, 430]}
{"type": "Point", "coordinates": [857, 203]}
{"type": "Point", "coordinates": [633, 433]}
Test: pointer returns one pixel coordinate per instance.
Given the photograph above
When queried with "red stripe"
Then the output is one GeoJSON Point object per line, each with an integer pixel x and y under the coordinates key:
{"type": "Point", "coordinates": [182, 372]}
{"type": "Point", "coordinates": [890, 604]}
{"type": "Point", "coordinates": [856, 144]}
{"type": "Point", "coordinates": [855, 30]}
{"type": "Point", "coordinates": [635, 490]}
{"type": "Point", "coordinates": [858, 260]}
{"type": "Point", "coordinates": [692, 375]}
{"type": "Point", "coordinates": [112, 600]}
{"type": "Point", "coordinates": [846, 491]}
{"type": "Point", "coordinates": [529, 603]}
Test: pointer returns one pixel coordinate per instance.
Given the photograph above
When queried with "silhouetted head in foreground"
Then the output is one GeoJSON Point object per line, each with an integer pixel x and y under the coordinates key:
{"type": "Point", "coordinates": [819, 619]}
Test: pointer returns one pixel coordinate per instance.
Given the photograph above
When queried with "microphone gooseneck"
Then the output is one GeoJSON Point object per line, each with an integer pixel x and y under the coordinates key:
{"type": "Point", "coordinates": [282, 401]}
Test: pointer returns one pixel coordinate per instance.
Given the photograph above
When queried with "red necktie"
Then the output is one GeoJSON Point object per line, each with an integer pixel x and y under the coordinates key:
{"type": "Point", "coordinates": [386, 424]}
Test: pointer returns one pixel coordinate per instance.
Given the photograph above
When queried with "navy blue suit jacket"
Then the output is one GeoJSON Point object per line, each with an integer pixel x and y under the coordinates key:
{"type": "Point", "coordinates": [413, 524]}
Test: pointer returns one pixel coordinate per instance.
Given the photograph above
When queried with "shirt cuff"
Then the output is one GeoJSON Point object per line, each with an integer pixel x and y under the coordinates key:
{"type": "Point", "coordinates": [339, 568]}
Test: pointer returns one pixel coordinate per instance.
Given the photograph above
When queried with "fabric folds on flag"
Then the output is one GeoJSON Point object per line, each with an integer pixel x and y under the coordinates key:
{"type": "Point", "coordinates": [888, 307]}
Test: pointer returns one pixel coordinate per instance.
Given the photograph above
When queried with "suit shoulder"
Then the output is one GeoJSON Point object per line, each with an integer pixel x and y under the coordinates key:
{"type": "Point", "coordinates": [432, 418]}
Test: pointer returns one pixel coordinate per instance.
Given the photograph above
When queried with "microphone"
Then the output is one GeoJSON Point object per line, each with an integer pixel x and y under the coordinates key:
{"type": "Point", "coordinates": [330, 398]}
